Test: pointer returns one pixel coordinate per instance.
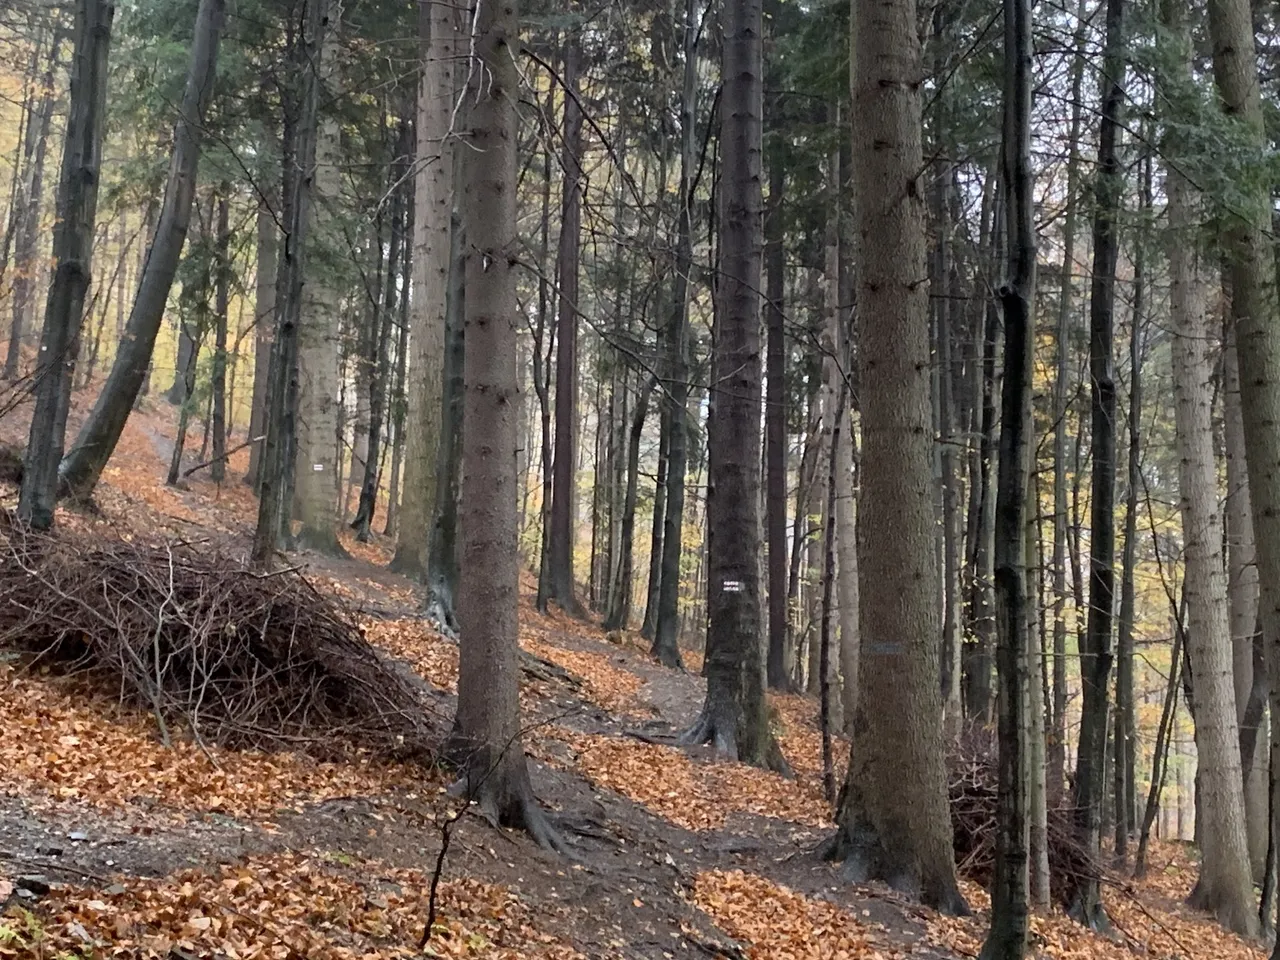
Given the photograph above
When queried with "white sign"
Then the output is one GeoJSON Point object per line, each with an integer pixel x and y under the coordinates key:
{"type": "Point", "coordinates": [732, 586]}
{"type": "Point", "coordinates": [317, 467]}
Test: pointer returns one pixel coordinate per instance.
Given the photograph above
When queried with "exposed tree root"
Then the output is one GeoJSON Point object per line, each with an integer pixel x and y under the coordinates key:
{"type": "Point", "coordinates": [325, 542]}
{"type": "Point", "coordinates": [500, 792]}
{"type": "Point", "coordinates": [865, 858]}
{"type": "Point", "coordinates": [711, 727]}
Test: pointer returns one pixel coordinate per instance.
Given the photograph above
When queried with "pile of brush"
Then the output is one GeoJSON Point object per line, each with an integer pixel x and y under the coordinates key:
{"type": "Point", "coordinates": [228, 655]}
{"type": "Point", "coordinates": [973, 787]}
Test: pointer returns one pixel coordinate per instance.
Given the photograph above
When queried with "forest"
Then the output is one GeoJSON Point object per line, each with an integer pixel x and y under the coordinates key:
{"type": "Point", "coordinates": [747, 479]}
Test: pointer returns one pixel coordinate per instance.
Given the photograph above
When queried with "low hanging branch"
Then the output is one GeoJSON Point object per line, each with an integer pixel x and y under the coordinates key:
{"type": "Point", "coordinates": [226, 456]}
{"type": "Point", "coordinates": [228, 655]}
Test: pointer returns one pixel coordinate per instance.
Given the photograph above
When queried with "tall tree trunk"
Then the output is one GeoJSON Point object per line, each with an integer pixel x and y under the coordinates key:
{"type": "Point", "coordinates": [847, 523]}
{"type": "Point", "coordinates": [433, 196]}
{"type": "Point", "coordinates": [734, 716]}
{"type": "Point", "coordinates": [442, 559]}
{"type": "Point", "coordinates": [649, 625]}
{"type": "Point", "coordinates": [222, 301]}
{"type": "Point", "coordinates": [275, 483]}
{"type": "Point", "coordinates": [72, 256]}
{"type": "Point", "coordinates": [379, 358]}
{"type": "Point", "coordinates": [101, 431]}
{"type": "Point", "coordinates": [28, 205]}
{"type": "Point", "coordinates": [264, 317]}
{"type": "Point", "coordinates": [1225, 884]}
{"type": "Point", "coordinates": [1160, 753]}
{"type": "Point", "coordinates": [1057, 740]}
{"type": "Point", "coordinates": [667, 626]}
{"type": "Point", "coordinates": [1096, 653]}
{"type": "Point", "coordinates": [397, 404]}
{"type": "Point", "coordinates": [560, 577]}
{"type": "Point", "coordinates": [188, 375]}
{"type": "Point", "coordinates": [1248, 645]}
{"type": "Point", "coordinates": [317, 466]}
{"type": "Point", "coordinates": [1015, 620]}
{"type": "Point", "coordinates": [619, 611]}
{"type": "Point", "coordinates": [979, 654]}
{"type": "Point", "coordinates": [486, 734]}
{"type": "Point", "coordinates": [1124, 727]}
{"type": "Point", "coordinates": [897, 747]}
{"type": "Point", "coordinates": [775, 414]}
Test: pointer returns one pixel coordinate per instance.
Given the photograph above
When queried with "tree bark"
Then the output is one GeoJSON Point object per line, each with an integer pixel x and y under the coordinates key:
{"type": "Point", "coordinates": [897, 748]}
{"type": "Point", "coordinates": [28, 203]}
{"type": "Point", "coordinates": [486, 736]}
{"type": "Point", "coordinates": [1057, 740]}
{"type": "Point", "coordinates": [1096, 653]}
{"type": "Point", "coordinates": [1124, 727]}
{"type": "Point", "coordinates": [433, 196]}
{"type": "Point", "coordinates": [317, 466]}
{"type": "Point", "coordinates": [264, 316]}
{"type": "Point", "coordinates": [560, 576]}
{"type": "Point", "coordinates": [1225, 884]}
{"type": "Point", "coordinates": [218, 378]}
{"type": "Point", "coordinates": [619, 606]}
{"type": "Point", "coordinates": [667, 627]}
{"type": "Point", "coordinates": [72, 256]}
{"type": "Point", "coordinates": [274, 500]}
{"type": "Point", "coordinates": [1015, 623]}
{"type": "Point", "coordinates": [101, 432]}
{"type": "Point", "coordinates": [734, 716]}
{"type": "Point", "coordinates": [378, 355]}
{"type": "Point", "coordinates": [775, 413]}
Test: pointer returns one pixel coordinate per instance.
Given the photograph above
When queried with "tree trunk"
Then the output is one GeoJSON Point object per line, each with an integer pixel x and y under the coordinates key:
{"type": "Point", "coordinates": [442, 554]}
{"type": "Point", "coordinates": [28, 204]}
{"type": "Point", "coordinates": [486, 735]}
{"type": "Point", "coordinates": [1124, 727]}
{"type": "Point", "coordinates": [649, 625]}
{"type": "Point", "coordinates": [1096, 653]}
{"type": "Point", "coordinates": [274, 499]}
{"type": "Point", "coordinates": [218, 379]}
{"type": "Point", "coordinates": [847, 532]}
{"type": "Point", "coordinates": [188, 375]}
{"type": "Point", "coordinates": [619, 607]}
{"type": "Point", "coordinates": [101, 431]}
{"type": "Point", "coordinates": [1057, 740]}
{"type": "Point", "coordinates": [1015, 622]}
{"type": "Point", "coordinates": [734, 716]}
{"type": "Point", "coordinates": [560, 578]}
{"type": "Point", "coordinates": [897, 747]}
{"type": "Point", "coordinates": [72, 253]}
{"type": "Point", "coordinates": [433, 197]}
{"type": "Point", "coordinates": [1225, 884]}
{"type": "Point", "coordinates": [397, 403]}
{"type": "Point", "coordinates": [317, 466]}
{"type": "Point", "coordinates": [264, 322]}
{"type": "Point", "coordinates": [667, 627]}
{"type": "Point", "coordinates": [775, 414]}
{"type": "Point", "coordinates": [978, 661]}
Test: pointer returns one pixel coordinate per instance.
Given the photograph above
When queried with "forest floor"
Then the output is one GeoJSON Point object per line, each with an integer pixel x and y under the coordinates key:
{"type": "Point", "coordinates": [114, 845]}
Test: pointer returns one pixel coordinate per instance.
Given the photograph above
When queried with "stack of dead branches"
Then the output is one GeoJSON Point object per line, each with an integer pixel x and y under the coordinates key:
{"type": "Point", "coordinates": [973, 786]}
{"type": "Point", "coordinates": [231, 656]}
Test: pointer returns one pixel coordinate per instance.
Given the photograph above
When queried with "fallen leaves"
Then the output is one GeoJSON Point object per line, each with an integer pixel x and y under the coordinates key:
{"type": "Point", "coordinates": [606, 685]}
{"type": "Point", "coordinates": [288, 905]}
{"type": "Point", "coordinates": [696, 796]}
{"type": "Point", "coordinates": [780, 924]}
{"type": "Point", "coordinates": [433, 657]}
{"type": "Point", "coordinates": [65, 742]}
